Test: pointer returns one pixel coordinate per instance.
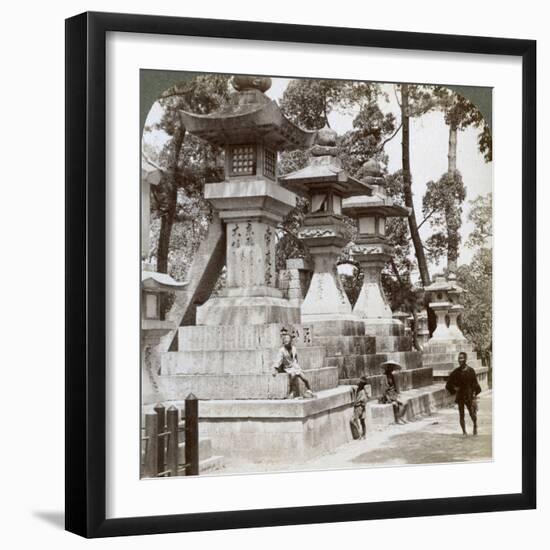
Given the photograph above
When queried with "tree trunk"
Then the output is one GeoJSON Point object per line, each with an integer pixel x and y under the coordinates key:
{"type": "Point", "coordinates": [451, 156]}
{"type": "Point", "coordinates": [166, 225]}
{"type": "Point", "coordinates": [407, 188]}
{"type": "Point", "coordinates": [170, 197]}
{"type": "Point", "coordinates": [412, 311]}
{"type": "Point", "coordinates": [453, 225]}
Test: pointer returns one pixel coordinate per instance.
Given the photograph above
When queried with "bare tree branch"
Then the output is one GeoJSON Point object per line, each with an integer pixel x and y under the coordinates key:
{"type": "Point", "coordinates": [381, 148]}
{"type": "Point", "coordinates": [426, 218]}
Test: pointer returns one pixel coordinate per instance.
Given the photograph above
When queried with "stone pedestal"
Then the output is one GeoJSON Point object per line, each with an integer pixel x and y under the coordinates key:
{"type": "Point", "coordinates": [326, 298]}
{"type": "Point", "coordinates": [454, 329]}
{"type": "Point", "coordinates": [251, 210]}
{"type": "Point", "coordinates": [372, 305]}
{"type": "Point", "coordinates": [441, 332]}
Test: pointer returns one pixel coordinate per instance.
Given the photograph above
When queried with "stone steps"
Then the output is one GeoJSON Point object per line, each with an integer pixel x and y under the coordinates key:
{"type": "Point", "coordinates": [355, 366]}
{"type": "Point", "coordinates": [447, 357]}
{"type": "Point", "coordinates": [393, 343]}
{"type": "Point", "coordinates": [339, 346]}
{"type": "Point", "coordinates": [241, 386]}
{"type": "Point", "coordinates": [234, 362]}
{"type": "Point", "coordinates": [406, 380]}
{"type": "Point", "coordinates": [240, 337]}
{"type": "Point", "coordinates": [422, 401]}
{"type": "Point", "coordinates": [456, 346]}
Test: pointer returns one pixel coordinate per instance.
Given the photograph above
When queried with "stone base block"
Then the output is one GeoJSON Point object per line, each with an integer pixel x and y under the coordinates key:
{"type": "Point", "coordinates": [234, 362]}
{"type": "Point", "coordinates": [393, 343]}
{"type": "Point", "coordinates": [240, 337]}
{"type": "Point", "coordinates": [340, 346]}
{"type": "Point", "coordinates": [421, 402]}
{"type": "Point", "coordinates": [384, 327]}
{"type": "Point", "coordinates": [355, 366]}
{"type": "Point", "coordinates": [241, 386]}
{"type": "Point", "coordinates": [278, 431]}
{"type": "Point", "coordinates": [448, 346]}
{"type": "Point", "coordinates": [406, 380]}
{"type": "Point", "coordinates": [337, 327]}
{"type": "Point", "coordinates": [258, 310]}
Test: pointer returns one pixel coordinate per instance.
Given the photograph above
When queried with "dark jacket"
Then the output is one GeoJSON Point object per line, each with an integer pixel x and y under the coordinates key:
{"type": "Point", "coordinates": [463, 383]}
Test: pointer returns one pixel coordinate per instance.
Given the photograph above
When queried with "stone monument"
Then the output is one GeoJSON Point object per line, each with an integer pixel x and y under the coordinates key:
{"type": "Point", "coordinates": [447, 340]}
{"type": "Point", "coordinates": [325, 183]}
{"type": "Point", "coordinates": [226, 360]}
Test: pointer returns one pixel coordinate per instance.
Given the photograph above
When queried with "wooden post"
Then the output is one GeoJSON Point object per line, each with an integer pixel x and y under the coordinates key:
{"type": "Point", "coordinates": [150, 468]}
{"type": "Point", "coordinates": [192, 435]}
{"type": "Point", "coordinates": [161, 447]}
{"type": "Point", "coordinates": [172, 422]}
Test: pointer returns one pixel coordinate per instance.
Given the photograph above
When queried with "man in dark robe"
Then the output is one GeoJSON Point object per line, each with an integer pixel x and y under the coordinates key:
{"type": "Point", "coordinates": [463, 383]}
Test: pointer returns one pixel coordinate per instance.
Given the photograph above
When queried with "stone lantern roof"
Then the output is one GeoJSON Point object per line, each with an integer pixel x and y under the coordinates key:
{"type": "Point", "coordinates": [374, 205]}
{"type": "Point", "coordinates": [377, 202]}
{"type": "Point", "coordinates": [249, 115]}
{"type": "Point", "coordinates": [441, 284]}
{"type": "Point", "coordinates": [324, 171]}
{"type": "Point", "coordinates": [160, 282]}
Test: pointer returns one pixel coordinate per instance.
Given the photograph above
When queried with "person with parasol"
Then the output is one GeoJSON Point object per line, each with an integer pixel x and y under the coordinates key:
{"type": "Point", "coordinates": [391, 393]}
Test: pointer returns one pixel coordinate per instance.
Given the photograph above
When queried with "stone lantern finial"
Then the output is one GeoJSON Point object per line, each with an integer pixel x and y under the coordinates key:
{"type": "Point", "coordinates": [325, 144]}
{"type": "Point", "coordinates": [372, 168]}
{"type": "Point", "coordinates": [243, 83]}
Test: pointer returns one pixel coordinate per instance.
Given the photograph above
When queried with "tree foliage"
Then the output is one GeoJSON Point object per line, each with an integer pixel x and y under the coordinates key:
{"type": "Point", "coordinates": [442, 202]}
{"type": "Point", "coordinates": [476, 320]}
{"type": "Point", "coordinates": [185, 163]}
{"type": "Point", "coordinates": [481, 215]}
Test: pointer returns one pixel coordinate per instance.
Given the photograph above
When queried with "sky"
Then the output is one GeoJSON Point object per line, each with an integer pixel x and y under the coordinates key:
{"type": "Point", "coordinates": [428, 154]}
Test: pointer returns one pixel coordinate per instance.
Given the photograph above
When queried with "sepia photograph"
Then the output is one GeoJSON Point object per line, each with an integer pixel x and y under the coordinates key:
{"type": "Point", "coordinates": [316, 274]}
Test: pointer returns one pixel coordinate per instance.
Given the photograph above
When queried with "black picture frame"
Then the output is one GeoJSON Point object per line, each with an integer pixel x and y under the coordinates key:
{"type": "Point", "coordinates": [86, 283]}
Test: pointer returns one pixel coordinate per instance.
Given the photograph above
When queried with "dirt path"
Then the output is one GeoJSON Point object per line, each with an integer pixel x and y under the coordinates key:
{"type": "Point", "coordinates": [433, 439]}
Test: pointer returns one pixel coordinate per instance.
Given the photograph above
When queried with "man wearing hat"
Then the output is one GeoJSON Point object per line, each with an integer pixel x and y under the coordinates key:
{"type": "Point", "coordinates": [287, 361]}
{"type": "Point", "coordinates": [391, 395]}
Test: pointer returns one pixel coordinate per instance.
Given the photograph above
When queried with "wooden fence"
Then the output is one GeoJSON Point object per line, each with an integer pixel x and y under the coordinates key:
{"type": "Point", "coordinates": [161, 440]}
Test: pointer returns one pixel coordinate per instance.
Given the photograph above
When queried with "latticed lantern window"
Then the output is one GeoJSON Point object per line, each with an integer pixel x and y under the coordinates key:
{"type": "Point", "coordinates": [243, 160]}
{"type": "Point", "coordinates": [270, 162]}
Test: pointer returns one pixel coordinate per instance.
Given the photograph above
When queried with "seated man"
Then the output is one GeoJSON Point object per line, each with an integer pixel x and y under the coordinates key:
{"type": "Point", "coordinates": [391, 393]}
{"type": "Point", "coordinates": [287, 361]}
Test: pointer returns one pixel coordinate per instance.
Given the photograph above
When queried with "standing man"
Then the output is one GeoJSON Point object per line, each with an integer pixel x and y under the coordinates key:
{"type": "Point", "coordinates": [463, 382]}
{"type": "Point", "coordinates": [287, 361]}
{"type": "Point", "coordinates": [360, 407]}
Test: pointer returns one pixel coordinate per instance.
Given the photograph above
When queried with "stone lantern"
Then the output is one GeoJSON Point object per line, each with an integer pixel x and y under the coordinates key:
{"type": "Point", "coordinates": [251, 129]}
{"type": "Point", "coordinates": [153, 327]}
{"type": "Point", "coordinates": [325, 183]}
{"type": "Point", "coordinates": [371, 248]}
{"type": "Point", "coordinates": [444, 294]}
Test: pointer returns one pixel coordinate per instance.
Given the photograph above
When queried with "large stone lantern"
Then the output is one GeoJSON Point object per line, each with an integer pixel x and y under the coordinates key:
{"type": "Point", "coordinates": [326, 184]}
{"type": "Point", "coordinates": [371, 249]}
{"type": "Point", "coordinates": [251, 129]}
